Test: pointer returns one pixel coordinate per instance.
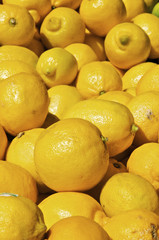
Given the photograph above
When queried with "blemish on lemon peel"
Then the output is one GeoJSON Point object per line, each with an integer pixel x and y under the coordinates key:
{"type": "Point", "coordinates": [154, 232]}
{"type": "Point", "coordinates": [149, 114]}
{"type": "Point", "coordinates": [54, 24]}
{"type": "Point", "coordinates": [12, 22]}
{"type": "Point", "coordinates": [102, 92]}
{"type": "Point", "coordinates": [116, 165]}
{"type": "Point", "coordinates": [134, 128]}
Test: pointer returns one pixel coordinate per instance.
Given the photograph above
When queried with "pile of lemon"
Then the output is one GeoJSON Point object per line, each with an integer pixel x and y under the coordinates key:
{"type": "Point", "coordinates": [79, 119]}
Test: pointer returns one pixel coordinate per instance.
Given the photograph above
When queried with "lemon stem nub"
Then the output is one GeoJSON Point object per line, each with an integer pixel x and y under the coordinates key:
{"type": "Point", "coordinates": [12, 22]}
{"type": "Point", "coordinates": [104, 139]}
{"type": "Point", "coordinates": [124, 40]}
{"type": "Point", "coordinates": [102, 92]}
{"type": "Point", "coordinates": [134, 129]}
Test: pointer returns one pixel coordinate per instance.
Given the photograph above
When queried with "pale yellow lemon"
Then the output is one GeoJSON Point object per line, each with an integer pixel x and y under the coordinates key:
{"type": "Point", "coordinates": [77, 227]}
{"type": "Point", "coordinates": [9, 68]}
{"type": "Point", "coordinates": [150, 24]}
{"type": "Point", "coordinates": [23, 102]}
{"type": "Point", "coordinates": [67, 160]}
{"type": "Point", "coordinates": [149, 81]}
{"type": "Point", "coordinates": [62, 97]}
{"type": "Point", "coordinates": [135, 73]}
{"type": "Point", "coordinates": [37, 8]}
{"type": "Point", "coordinates": [57, 66]}
{"type": "Point", "coordinates": [61, 27]}
{"type": "Point", "coordinates": [114, 120]}
{"type": "Point", "coordinates": [126, 191]}
{"type": "Point", "coordinates": [20, 218]}
{"type": "Point", "coordinates": [100, 16]}
{"type": "Point", "coordinates": [144, 108]}
{"type": "Point", "coordinates": [144, 162]}
{"type": "Point", "coordinates": [66, 3]}
{"type": "Point", "coordinates": [126, 45]}
{"type": "Point", "coordinates": [11, 52]}
{"type": "Point", "coordinates": [83, 53]}
{"type": "Point", "coordinates": [97, 77]}
{"type": "Point", "coordinates": [16, 25]}
{"type": "Point", "coordinates": [66, 204]}
{"type": "Point", "coordinates": [15, 179]}
{"type": "Point", "coordinates": [133, 224]}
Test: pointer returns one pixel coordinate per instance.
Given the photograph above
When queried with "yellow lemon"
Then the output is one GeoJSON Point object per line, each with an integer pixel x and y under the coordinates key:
{"type": "Point", "coordinates": [20, 218]}
{"type": "Point", "coordinates": [101, 16]}
{"type": "Point", "coordinates": [16, 25]}
{"type": "Point", "coordinates": [150, 24]}
{"type": "Point", "coordinates": [4, 143]}
{"type": "Point", "coordinates": [37, 8]}
{"type": "Point", "coordinates": [134, 74]}
{"type": "Point", "coordinates": [57, 66]}
{"type": "Point", "coordinates": [77, 227]}
{"type": "Point", "coordinates": [63, 160]}
{"type": "Point", "coordinates": [9, 68]}
{"type": "Point", "coordinates": [133, 224]}
{"type": "Point", "coordinates": [66, 3]}
{"type": "Point", "coordinates": [117, 96]}
{"type": "Point", "coordinates": [144, 162]}
{"type": "Point", "coordinates": [126, 191]}
{"type": "Point", "coordinates": [23, 102]}
{"type": "Point", "coordinates": [61, 27]}
{"type": "Point", "coordinates": [133, 8]}
{"type": "Point", "coordinates": [114, 120]}
{"type": "Point", "coordinates": [97, 77]}
{"type": "Point", "coordinates": [16, 179]}
{"type": "Point", "coordinates": [144, 108]}
{"type": "Point", "coordinates": [21, 153]}
{"type": "Point", "coordinates": [83, 53]}
{"type": "Point", "coordinates": [149, 81]}
{"type": "Point", "coordinates": [66, 204]}
{"type": "Point", "coordinates": [11, 52]}
{"type": "Point", "coordinates": [126, 45]}
{"type": "Point", "coordinates": [62, 97]}
{"type": "Point", "coordinates": [96, 43]}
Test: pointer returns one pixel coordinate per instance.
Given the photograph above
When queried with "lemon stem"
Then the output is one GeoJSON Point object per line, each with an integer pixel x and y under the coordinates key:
{"type": "Point", "coordinates": [124, 40]}
{"type": "Point", "coordinates": [12, 22]}
{"type": "Point", "coordinates": [104, 139]}
{"type": "Point", "coordinates": [102, 92]}
{"type": "Point", "coordinates": [134, 129]}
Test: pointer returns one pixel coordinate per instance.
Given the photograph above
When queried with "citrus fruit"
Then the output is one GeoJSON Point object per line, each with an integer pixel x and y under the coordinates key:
{"type": "Point", "coordinates": [10, 67]}
{"type": "Point", "coordinates": [20, 218]}
{"type": "Point", "coordinates": [144, 162]}
{"type": "Point", "coordinates": [66, 204]}
{"type": "Point", "coordinates": [126, 191]}
{"type": "Point", "coordinates": [133, 8]}
{"type": "Point", "coordinates": [4, 143]}
{"type": "Point", "coordinates": [150, 24]}
{"type": "Point", "coordinates": [155, 10]}
{"type": "Point", "coordinates": [16, 25]}
{"type": "Point", "coordinates": [117, 96]}
{"type": "Point", "coordinates": [144, 108]}
{"type": "Point", "coordinates": [66, 3]}
{"type": "Point", "coordinates": [62, 97]}
{"type": "Point", "coordinates": [62, 158]}
{"type": "Point", "coordinates": [126, 45]}
{"type": "Point", "coordinates": [97, 77]}
{"type": "Point", "coordinates": [114, 120]}
{"type": "Point", "coordinates": [61, 27]}
{"type": "Point", "coordinates": [37, 8]}
{"type": "Point", "coordinates": [133, 224]}
{"type": "Point", "coordinates": [149, 81]}
{"type": "Point", "coordinates": [134, 74]}
{"type": "Point", "coordinates": [77, 227]}
{"type": "Point", "coordinates": [23, 102]}
{"type": "Point", "coordinates": [21, 153]}
{"type": "Point", "coordinates": [16, 179]}
{"type": "Point", "coordinates": [57, 66]}
{"type": "Point", "coordinates": [82, 52]}
{"type": "Point", "coordinates": [11, 52]}
{"type": "Point", "coordinates": [100, 16]}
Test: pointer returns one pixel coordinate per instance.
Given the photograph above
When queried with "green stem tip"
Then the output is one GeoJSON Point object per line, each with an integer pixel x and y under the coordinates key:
{"type": "Point", "coordinates": [134, 128]}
